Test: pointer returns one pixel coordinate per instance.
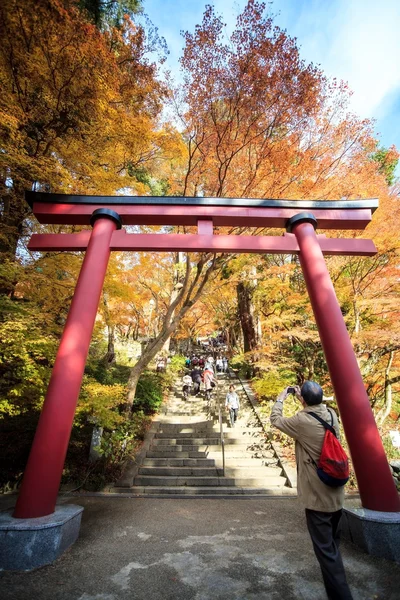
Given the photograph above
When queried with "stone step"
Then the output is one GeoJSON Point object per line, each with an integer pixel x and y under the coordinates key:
{"type": "Point", "coordinates": [166, 450]}
{"type": "Point", "coordinates": [249, 462]}
{"type": "Point", "coordinates": [185, 454]}
{"type": "Point", "coordinates": [209, 432]}
{"type": "Point", "coordinates": [170, 435]}
{"type": "Point", "coordinates": [185, 428]}
{"type": "Point", "coordinates": [240, 450]}
{"type": "Point", "coordinates": [231, 472]}
{"type": "Point", "coordinates": [212, 441]}
{"type": "Point", "coordinates": [150, 480]}
{"type": "Point", "coordinates": [175, 454]}
{"type": "Point", "coordinates": [192, 441]}
{"type": "Point", "coordinates": [243, 439]}
{"type": "Point", "coordinates": [178, 462]}
{"type": "Point", "coordinates": [167, 418]}
{"type": "Point", "coordinates": [204, 492]}
{"type": "Point", "coordinates": [158, 471]}
{"type": "Point", "coordinates": [186, 413]}
{"type": "Point", "coordinates": [252, 472]}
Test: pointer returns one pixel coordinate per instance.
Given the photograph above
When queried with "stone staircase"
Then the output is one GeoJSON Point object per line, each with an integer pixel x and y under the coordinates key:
{"type": "Point", "coordinates": [183, 456]}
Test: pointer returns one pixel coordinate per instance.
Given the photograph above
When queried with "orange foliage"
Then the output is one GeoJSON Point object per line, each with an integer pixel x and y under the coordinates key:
{"type": "Point", "coordinates": [260, 122]}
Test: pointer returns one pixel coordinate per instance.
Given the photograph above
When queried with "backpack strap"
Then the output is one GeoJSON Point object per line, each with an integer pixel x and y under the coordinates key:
{"type": "Point", "coordinates": [324, 423]}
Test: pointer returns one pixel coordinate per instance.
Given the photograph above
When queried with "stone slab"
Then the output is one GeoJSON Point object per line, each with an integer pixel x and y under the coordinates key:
{"type": "Point", "coordinates": [377, 533]}
{"type": "Point", "coordinates": [235, 548]}
{"type": "Point", "coordinates": [27, 544]}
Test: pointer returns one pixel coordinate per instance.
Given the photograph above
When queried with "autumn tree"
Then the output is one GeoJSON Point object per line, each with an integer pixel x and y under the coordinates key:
{"type": "Point", "coordinates": [258, 121]}
{"type": "Point", "coordinates": [368, 290]}
{"type": "Point", "coordinates": [79, 113]}
{"type": "Point", "coordinates": [78, 107]}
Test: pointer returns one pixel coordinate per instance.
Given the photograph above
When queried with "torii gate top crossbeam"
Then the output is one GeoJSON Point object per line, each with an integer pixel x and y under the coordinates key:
{"type": "Point", "coordinates": [234, 212]}
{"type": "Point", "coordinates": [32, 197]}
{"type": "Point", "coordinates": [205, 214]}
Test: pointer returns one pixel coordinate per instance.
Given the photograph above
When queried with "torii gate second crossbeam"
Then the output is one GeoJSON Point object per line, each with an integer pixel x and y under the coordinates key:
{"type": "Point", "coordinates": [42, 476]}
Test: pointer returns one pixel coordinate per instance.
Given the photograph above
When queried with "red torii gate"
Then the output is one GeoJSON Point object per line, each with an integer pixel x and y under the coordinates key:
{"type": "Point", "coordinates": [42, 476]}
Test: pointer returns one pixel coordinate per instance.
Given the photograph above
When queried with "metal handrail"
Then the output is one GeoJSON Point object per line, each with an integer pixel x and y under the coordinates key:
{"type": "Point", "coordinates": [221, 433]}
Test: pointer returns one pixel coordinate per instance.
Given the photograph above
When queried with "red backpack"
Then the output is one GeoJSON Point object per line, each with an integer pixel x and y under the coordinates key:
{"type": "Point", "coordinates": [333, 464]}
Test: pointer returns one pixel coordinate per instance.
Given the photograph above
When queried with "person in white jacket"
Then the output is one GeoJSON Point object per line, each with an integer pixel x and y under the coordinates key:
{"type": "Point", "coordinates": [186, 386]}
{"type": "Point", "coordinates": [232, 404]}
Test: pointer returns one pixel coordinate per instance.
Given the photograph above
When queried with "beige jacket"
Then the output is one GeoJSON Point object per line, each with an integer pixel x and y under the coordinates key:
{"type": "Point", "coordinates": [309, 436]}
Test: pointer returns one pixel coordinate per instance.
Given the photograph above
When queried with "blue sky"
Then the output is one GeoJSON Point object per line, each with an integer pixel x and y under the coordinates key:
{"type": "Point", "coordinates": [357, 41]}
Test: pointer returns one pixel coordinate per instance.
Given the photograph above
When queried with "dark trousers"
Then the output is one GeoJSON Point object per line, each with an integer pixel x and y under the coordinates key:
{"type": "Point", "coordinates": [324, 529]}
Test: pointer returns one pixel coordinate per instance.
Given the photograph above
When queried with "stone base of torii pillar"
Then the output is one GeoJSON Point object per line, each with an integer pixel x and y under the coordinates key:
{"type": "Point", "coordinates": [27, 544]}
{"type": "Point", "coordinates": [375, 532]}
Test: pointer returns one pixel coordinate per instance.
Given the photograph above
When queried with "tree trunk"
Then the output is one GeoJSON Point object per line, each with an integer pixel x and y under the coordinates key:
{"type": "Point", "coordinates": [110, 355]}
{"type": "Point", "coordinates": [246, 315]}
{"type": "Point", "coordinates": [109, 358]}
{"type": "Point", "coordinates": [388, 392]}
{"type": "Point", "coordinates": [175, 293]}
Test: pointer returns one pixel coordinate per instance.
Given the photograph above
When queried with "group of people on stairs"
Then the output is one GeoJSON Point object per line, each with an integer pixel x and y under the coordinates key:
{"type": "Point", "coordinates": [220, 365]}
{"type": "Point", "coordinates": [191, 383]}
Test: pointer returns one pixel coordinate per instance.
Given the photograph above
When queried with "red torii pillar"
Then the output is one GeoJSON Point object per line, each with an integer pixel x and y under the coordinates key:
{"type": "Point", "coordinates": [374, 478]}
{"type": "Point", "coordinates": [42, 476]}
{"type": "Point", "coordinates": [39, 489]}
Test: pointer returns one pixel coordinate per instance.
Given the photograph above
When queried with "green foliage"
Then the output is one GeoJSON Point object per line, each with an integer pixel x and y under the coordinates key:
{"type": "Point", "coordinates": [157, 187]}
{"type": "Point", "coordinates": [10, 270]}
{"type": "Point", "coordinates": [116, 445]}
{"type": "Point", "coordinates": [152, 386]}
{"type": "Point", "coordinates": [26, 355]}
{"type": "Point", "coordinates": [99, 403]}
{"type": "Point", "coordinates": [240, 364]}
{"type": "Point", "coordinates": [140, 173]}
{"type": "Point", "coordinates": [387, 160]}
{"type": "Point", "coordinates": [149, 393]}
{"type": "Point", "coordinates": [270, 384]}
{"type": "Point", "coordinates": [392, 453]}
{"type": "Point", "coordinates": [108, 374]}
{"type": "Point", "coordinates": [177, 364]}
{"type": "Point", "coordinates": [109, 12]}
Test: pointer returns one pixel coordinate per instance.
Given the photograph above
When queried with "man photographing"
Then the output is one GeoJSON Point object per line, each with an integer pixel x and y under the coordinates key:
{"type": "Point", "coordinates": [323, 504]}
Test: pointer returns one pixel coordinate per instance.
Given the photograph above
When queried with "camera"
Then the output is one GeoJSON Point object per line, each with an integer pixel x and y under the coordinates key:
{"type": "Point", "coordinates": [291, 390]}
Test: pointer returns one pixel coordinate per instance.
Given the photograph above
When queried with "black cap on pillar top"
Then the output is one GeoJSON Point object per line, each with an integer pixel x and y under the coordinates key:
{"type": "Point", "coordinates": [303, 217]}
{"type": "Point", "coordinates": [101, 213]}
